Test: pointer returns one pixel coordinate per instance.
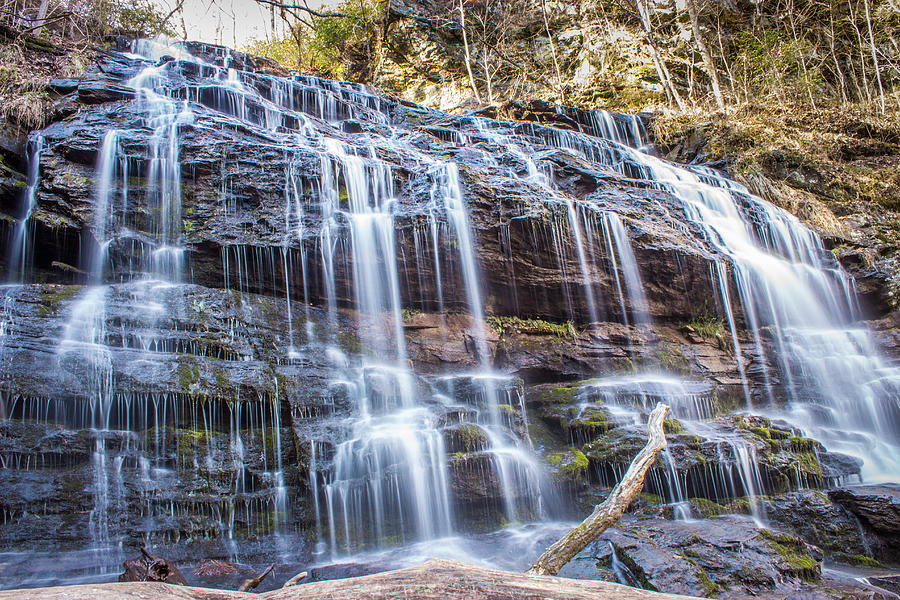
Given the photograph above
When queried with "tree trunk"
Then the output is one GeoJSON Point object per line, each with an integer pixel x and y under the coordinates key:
{"type": "Point", "coordinates": [295, 580]}
{"type": "Point", "coordinates": [610, 510]}
{"type": "Point", "coordinates": [661, 70]}
{"type": "Point", "coordinates": [706, 54]}
{"type": "Point", "coordinates": [433, 580]}
{"type": "Point", "coordinates": [559, 83]}
{"type": "Point", "coordinates": [462, 20]}
{"type": "Point", "coordinates": [862, 50]}
{"type": "Point", "coordinates": [487, 74]}
{"type": "Point", "coordinates": [874, 55]}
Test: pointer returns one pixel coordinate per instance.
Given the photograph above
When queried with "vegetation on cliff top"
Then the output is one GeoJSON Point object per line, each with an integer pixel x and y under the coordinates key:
{"type": "Point", "coordinates": [44, 39]}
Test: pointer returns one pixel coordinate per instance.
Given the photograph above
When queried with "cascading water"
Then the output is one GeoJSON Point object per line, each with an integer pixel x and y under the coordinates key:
{"type": "Point", "coordinates": [789, 287]}
{"type": "Point", "coordinates": [371, 224]}
{"type": "Point", "coordinates": [20, 248]}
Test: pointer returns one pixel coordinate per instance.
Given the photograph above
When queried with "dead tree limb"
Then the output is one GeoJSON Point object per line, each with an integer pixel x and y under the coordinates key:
{"type": "Point", "coordinates": [306, 9]}
{"type": "Point", "coordinates": [295, 579]}
{"type": "Point", "coordinates": [159, 569]}
{"type": "Point", "coordinates": [610, 510]}
{"type": "Point", "coordinates": [152, 568]}
{"type": "Point", "coordinates": [250, 584]}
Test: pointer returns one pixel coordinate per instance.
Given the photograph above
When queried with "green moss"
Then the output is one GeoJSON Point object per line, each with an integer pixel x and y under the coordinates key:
{"type": "Point", "coordinates": [794, 552]}
{"type": "Point", "coordinates": [674, 360]}
{"type": "Point", "coordinates": [576, 466]}
{"type": "Point", "coordinates": [801, 444]}
{"type": "Point", "coordinates": [188, 374]}
{"type": "Point", "coordinates": [471, 437]}
{"type": "Point", "coordinates": [708, 508]}
{"type": "Point", "coordinates": [710, 589]}
{"type": "Point", "coordinates": [809, 462]}
{"type": "Point", "coordinates": [558, 395]}
{"type": "Point", "coordinates": [53, 296]}
{"type": "Point", "coordinates": [556, 458]}
{"type": "Point", "coordinates": [651, 499]}
{"type": "Point", "coordinates": [861, 560]}
{"type": "Point", "coordinates": [593, 421]}
{"type": "Point", "coordinates": [409, 313]}
{"type": "Point", "coordinates": [349, 342]}
{"type": "Point", "coordinates": [513, 325]}
{"type": "Point", "coordinates": [760, 432]}
{"type": "Point", "coordinates": [571, 465]}
{"type": "Point", "coordinates": [673, 426]}
{"type": "Point", "coordinates": [221, 379]}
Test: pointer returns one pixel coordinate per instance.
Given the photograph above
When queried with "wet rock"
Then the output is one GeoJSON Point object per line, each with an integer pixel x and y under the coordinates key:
{"type": "Point", "coordinates": [890, 583]}
{"type": "Point", "coordinates": [878, 509]}
{"type": "Point", "coordinates": [725, 557]}
{"type": "Point", "coordinates": [877, 505]}
{"type": "Point", "coordinates": [99, 93]}
{"type": "Point", "coordinates": [473, 478]}
{"type": "Point", "coordinates": [812, 516]}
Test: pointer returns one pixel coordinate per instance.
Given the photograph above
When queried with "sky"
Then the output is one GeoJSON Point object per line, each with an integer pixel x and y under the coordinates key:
{"type": "Point", "coordinates": [229, 22]}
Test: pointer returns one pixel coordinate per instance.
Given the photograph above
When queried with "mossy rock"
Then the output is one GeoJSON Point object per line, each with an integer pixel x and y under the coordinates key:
{"type": "Point", "coordinates": [707, 508]}
{"type": "Point", "coordinates": [616, 447]}
{"type": "Point", "coordinates": [571, 465]}
{"type": "Point", "coordinates": [558, 395]}
{"type": "Point", "coordinates": [466, 437]}
{"type": "Point", "coordinates": [53, 296]}
{"type": "Point", "coordinates": [782, 453]}
{"type": "Point", "coordinates": [673, 426]}
{"type": "Point", "coordinates": [589, 423]}
{"type": "Point", "coordinates": [798, 561]}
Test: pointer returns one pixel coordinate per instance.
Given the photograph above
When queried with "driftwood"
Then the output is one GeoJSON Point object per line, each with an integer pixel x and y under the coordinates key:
{"type": "Point", "coordinates": [295, 579]}
{"type": "Point", "coordinates": [433, 580]}
{"type": "Point", "coordinates": [250, 584]}
{"type": "Point", "coordinates": [152, 568]}
{"type": "Point", "coordinates": [607, 513]}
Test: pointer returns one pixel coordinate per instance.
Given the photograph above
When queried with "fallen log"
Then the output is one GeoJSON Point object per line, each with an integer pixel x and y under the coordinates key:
{"type": "Point", "coordinates": [607, 513]}
{"type": "Point", "coordinates": [151, 568]}
{"type": "Point", "coordinates": [433, 580]}
{"type": "Point", "coordinates": [253, 582]}
{"type": "Point", "coordinates": [295, 579]}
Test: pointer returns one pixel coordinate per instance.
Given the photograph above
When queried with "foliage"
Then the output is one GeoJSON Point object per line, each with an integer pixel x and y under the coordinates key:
{"type": "Point", "coordinates": [707, 326]}
{"type": "Point", "coordinates": [341, 43]}
{"type": "Point", "coordinates": [60, 44]}
{"type": "Point", "coordinates": [504, 325]}
{"type": "Point", "coordinates": [284, 51]}
{"type": "Point", "coordinates": [81, 21]}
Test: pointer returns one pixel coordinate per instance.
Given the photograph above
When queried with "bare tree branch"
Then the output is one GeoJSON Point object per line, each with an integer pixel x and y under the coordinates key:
{"type": "Point", "coordinates": [305, 9]}
{"type": "Point", "coordinates": [610, 510]}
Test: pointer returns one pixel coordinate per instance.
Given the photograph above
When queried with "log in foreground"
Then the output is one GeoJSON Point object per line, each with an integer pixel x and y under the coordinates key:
{"type": "Point", "coordinates": [253, 582]}
{"type": "Point", "coordinates": [433, 580]}
{"type": "Point", "coordinates": [152, 568]}
{"type": "Point", "coordinates": [607, 513]}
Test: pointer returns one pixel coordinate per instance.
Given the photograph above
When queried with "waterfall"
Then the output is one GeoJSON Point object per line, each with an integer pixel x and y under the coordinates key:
{"type": "Point", "coordinates": [295, 299]}
{"type": "Point", "coordinates": [20, 251]}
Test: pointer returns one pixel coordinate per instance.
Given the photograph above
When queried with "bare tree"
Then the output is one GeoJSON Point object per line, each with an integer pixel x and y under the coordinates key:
{"type": "Point", "coordinates": [661, 69]}
{"type": "Point", "coordinates": [708, 61]}
{"type": "Point", "coordinates": [462, 20]}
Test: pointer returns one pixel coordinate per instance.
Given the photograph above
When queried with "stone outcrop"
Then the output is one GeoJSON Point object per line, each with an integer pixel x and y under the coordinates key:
{"type": "Point", "coordinates": [878, 509]}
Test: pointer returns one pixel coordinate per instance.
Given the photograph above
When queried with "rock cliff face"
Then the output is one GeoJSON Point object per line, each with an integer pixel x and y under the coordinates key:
{"type": "Point", "coordinates": [252, 316]}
